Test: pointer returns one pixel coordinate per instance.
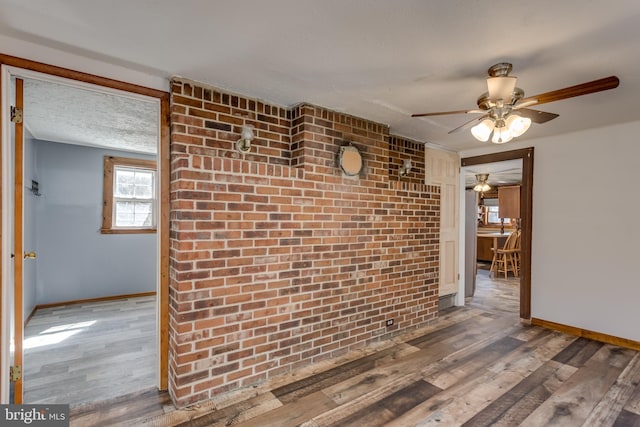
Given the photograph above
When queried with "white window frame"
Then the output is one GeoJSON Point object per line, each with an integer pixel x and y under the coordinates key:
{"type": "Point", "coordinates": [494, 210]}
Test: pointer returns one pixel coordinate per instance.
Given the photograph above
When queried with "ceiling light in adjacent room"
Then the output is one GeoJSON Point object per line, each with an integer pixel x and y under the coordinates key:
{"type": "Point", "coordinates": [481, 185]}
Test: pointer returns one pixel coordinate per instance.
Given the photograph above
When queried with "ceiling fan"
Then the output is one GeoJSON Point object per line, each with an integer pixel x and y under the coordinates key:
{"type": "Point", "coordinates": [504, 109]}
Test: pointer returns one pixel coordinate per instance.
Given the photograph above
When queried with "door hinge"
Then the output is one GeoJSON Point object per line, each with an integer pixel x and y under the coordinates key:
{"type": "Point", "coordinates": [16, 114]}
{"type": "Point", "coordinates": [15, 373]}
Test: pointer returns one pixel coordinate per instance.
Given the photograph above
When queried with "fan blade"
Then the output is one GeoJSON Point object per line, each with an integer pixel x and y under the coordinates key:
{"type": "Point", "coordinates": [443, 113]}
{"type": "Point", "coordinates": [520, 105]}
{"type": "Point", "coordinates": [599, 85]}
{"type": "Point", "coordinates": [469, 123]}
{"type": "Point", "coordinates": [535, 115]}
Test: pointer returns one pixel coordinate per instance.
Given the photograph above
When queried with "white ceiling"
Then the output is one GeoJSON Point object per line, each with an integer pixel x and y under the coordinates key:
{"type": "Point", "coordinates": [378, 59]}
{"type": "Point", "coordinates": [500, 173]}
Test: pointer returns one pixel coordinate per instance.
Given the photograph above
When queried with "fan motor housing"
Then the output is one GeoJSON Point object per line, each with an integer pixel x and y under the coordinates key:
{"type": "Point", "coordinates": [486, 103]}
{"type": "Point", "coordinates": [501, 69]}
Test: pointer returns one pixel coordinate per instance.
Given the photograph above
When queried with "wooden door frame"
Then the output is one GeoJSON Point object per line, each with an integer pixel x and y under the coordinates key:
{"type": "Point", "coordinates": [526, 210]}
{"type": "Point", "coordinates": [18, 238]}
{"type": "Point", "coordinates": [164, 173]}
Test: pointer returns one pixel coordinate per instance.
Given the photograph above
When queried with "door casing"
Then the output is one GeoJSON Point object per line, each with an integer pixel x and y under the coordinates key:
{"type": "Point", "coordinates": [526, 210]}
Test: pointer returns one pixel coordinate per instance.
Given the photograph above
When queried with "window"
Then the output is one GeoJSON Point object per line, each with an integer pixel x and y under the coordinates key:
{"type": "Point", "coordinates": [493, 216]}
{"type": "Point", "coordinates": [129, 194]}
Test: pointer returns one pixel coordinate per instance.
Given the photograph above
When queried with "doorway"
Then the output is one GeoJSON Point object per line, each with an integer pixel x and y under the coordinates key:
{"type": "Point", "coordinates": [525, 156]}
{"type": "Point", "coordinates": [13, 68]}
{"type": "Point", "coordinates": [492, 194]}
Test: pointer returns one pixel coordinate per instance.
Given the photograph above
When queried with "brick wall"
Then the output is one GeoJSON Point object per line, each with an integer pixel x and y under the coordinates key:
{"type": "Point", "coordinates": [278, 260]}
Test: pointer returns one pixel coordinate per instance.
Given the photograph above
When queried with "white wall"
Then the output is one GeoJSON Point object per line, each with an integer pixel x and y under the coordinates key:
{"type": "Point", "coordinates": [586, 229]}
{"type": "Point", "coordinates": [97, 65]}
{"type": "Point", "coordinates": [75, 260]}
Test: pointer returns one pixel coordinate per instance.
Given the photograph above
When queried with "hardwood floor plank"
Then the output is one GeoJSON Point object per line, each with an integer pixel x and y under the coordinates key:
{"type": "Point", "coordinates": [478, 388]}
{"type": "Point", "coordinates": [357, 393]}
{"type": "Point", "coordinates": [341, 373]}
{"type": "Point", "coordinates": [633, 404]}
{"type": "Point", "coordinates": [120, 410]}
{"type": "Point", "coordinates": [290, 415]}
{"type": "Point", "coordinates": [391, 407]}
{"type": "Point", "coordinates": [473, 362]}
{"type": "Point", "coordinates": [516, 404]}
{"type": "Point", "coordinates": [208, 414]}
{"type": "Point", "coordinates": [575, 399]}
{"type": "Point", "coordinates": [439, 356]}
{"type": "Point", "coordinates": [325, 379]}
{"type": "Point", "coordinates": [627, 419]}
{"type": "Point", "coordinates": [495, 294]}
{"type": "Point", "coordinates": [607, 410]}
{"type": "Point", "coordinates": [526, 332]}
{"type": "Point", "coordinates": [447, 332]}
{"type": "Point", "coordinates": [578, 352]}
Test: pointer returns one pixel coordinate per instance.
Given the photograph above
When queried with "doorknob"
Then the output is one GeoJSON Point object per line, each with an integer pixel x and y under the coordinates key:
{"type": "Point", "coordinates": [30, 255]}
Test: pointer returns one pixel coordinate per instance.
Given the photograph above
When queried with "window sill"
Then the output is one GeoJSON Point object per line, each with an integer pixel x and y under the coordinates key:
{"type": "Point", "coordinates": [127, 230]}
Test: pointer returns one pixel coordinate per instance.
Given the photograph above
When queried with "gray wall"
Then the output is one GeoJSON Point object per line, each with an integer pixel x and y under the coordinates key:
{"type": "Point", "coordinates": [30, 242]}
{"type": "Point", "coordinates": [75, 261]}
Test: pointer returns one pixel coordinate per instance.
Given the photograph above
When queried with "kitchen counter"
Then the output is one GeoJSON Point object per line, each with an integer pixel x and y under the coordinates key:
{"type": "Point", "coordinates": [493, 233]}
{"type": "Point", "coordinates": [487, 241]}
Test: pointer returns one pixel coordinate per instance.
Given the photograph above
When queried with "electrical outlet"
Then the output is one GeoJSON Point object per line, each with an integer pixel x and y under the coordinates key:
{"type": "Point", "coordinates": [389, 322]}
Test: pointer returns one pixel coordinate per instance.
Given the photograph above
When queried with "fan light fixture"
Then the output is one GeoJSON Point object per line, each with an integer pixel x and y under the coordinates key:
{"type": "Point", "coordinates": [482, 186]}
{"type": "Point", "coordinates": [503, 130]}
{"type": "Point", "coordinates": [506, 111]}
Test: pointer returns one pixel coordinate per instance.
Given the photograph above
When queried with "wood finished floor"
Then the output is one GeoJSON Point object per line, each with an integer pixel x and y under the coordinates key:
{"type": "Point", "coordinates": [474, 366]}
{"type": "Point", "coordinates": [90, 352]}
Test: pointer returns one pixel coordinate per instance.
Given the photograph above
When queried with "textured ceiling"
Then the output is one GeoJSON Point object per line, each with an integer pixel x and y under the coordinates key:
{"type": "Point", "coordinates": [378, 59]}
{"type": "Point", "coordinates": [60, 113]}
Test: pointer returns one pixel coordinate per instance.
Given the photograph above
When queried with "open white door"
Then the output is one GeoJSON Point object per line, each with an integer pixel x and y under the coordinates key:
{"type": "Point", "coordinates": [442, 168]}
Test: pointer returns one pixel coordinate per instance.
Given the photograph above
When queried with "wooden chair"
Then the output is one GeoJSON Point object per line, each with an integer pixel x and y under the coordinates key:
{"type": "Point", "coordinates": [506, 260]}
{"type": "Point", "coordinates": [516, 253]}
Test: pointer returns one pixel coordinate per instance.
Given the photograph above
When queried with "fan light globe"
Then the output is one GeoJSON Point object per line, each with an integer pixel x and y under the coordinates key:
{"type": "Point", "coordinates": [518, 125]}
{"type": "Point", "coordinates": [501, 135]}
{"type": "Point", "coordinates": [483, 130]}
